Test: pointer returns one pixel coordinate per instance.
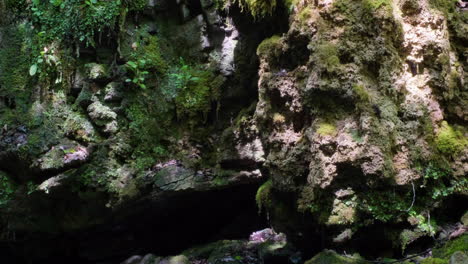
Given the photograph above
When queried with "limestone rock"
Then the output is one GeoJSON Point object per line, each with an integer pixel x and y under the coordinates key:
{"type": "Point", "coordinates": [103, 116]}
{"type": "Point", "coordinates": [97, 72]}
{"type": "Point", "coordinates": [63, 156]}
{"type": "Point", "coordinates": [113, 92]}
{"type": "Point", "coordinates": [176, 260]}
{"type": "Point", "coordinates": [133, 260]}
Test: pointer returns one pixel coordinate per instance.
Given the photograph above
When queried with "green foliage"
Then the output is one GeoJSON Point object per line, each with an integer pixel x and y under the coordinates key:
{"type": "Point", "coordinates": [7, 189]}
{"type": "Point", "coordinates": [192, 88]}
{"type": "Point", "coordinates": [385, 205]}
{"type": "Point", "coordinates": [263, 196]}
{"type": "Point", "coordinates": [449, 140]}
{"type": "Point", "coordinates": [138, 75]}
{"type": "Point", "coordinates": [74, 21]}
{"type": "Point", "coordinates": [135, 5]}
{"type": "Point", "coordinates": [258, 8]}
{"type": "Point", "coordinates": [425, 224]}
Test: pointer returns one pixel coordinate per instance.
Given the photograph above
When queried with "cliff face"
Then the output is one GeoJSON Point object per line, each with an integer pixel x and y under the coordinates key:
{"type": "Point", "coordinates": [359, 99]}
{"type": "Point", "coordinates": [125, 124]}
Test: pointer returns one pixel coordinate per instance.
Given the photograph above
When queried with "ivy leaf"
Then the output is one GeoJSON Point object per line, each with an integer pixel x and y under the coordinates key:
{"type": "Point", "coordinates": [33, 70]}
{"type": "Point", "coordinates": [132, 64]}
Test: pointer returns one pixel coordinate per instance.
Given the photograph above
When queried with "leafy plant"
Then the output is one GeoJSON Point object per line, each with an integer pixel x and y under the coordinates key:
{"type": "Point", "coordinates": [138, 75]}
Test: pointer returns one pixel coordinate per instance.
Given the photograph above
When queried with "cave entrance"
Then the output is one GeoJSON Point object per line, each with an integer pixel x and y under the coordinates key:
{"type": "Point", "coordinates": [164, 227]}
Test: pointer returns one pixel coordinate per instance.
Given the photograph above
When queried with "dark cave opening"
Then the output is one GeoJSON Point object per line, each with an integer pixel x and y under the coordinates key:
{"type": "Point", "coordinates": [164, 227]}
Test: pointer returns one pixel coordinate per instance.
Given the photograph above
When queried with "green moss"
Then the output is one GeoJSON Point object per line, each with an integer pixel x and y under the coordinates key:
{"type": "Point", "coordinates": [447, 250]}
{"type": "Point", "coordinates": [304, 15]}
{"type": "Point", "coordinates": [434, 261]}
{"type": "Point", "coordinates": [331, 257]}
{"type": "Point", "coordinates": [150, 50]}
{"type": "Point", "coordinates": [326, 129]}
{"type": "Point", "coordinates": [270, 47]}
{"type": "Point", "coordinates": [376, 4]}
{"type": "Point", "coordinates": [197, 96]}
{"type": "Point", "coordinates": [263, 196]}
{"type": "Point", "coordinates": [361, 93]}
{"type": "Point", "coordinates": [146, 129]}
{"type": "Point", "coordinates": [326, 54]}
{"type": "Point", "coordinates": [14, 63]}
{"type": "Point", "coordinates": [449, 140]}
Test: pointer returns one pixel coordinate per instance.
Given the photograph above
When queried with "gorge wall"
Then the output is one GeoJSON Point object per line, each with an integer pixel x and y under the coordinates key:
{"type": "Point", "coordinates": [136, 127]}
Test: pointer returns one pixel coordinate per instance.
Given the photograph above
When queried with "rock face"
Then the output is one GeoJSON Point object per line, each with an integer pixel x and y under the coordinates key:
{"type": "Point", "coordinates": [148, 126]}
{"type": "Point", "coordinates": [352, 99]}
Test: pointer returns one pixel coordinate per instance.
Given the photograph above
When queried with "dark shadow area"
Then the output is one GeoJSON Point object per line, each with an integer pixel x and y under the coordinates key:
{"type": "Point", "coordinates": [164, 226]}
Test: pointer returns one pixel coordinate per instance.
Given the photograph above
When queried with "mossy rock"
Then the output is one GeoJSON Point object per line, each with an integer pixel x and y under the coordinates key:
{"type": "Point", "coordinates": [326, 129]}
{"type": "Point", "coordinates": [270, 47]}
{"type": "Point", "coordinates": [464, 219]}
{"type": "Point", "coordinates": [434, 261]}
{"type": "Point", "coordinates": [331, 257]}
{"type": "Point", "coordinates": [447, 250]}
{"type": "Point", "coordinates": [263, 195]}
{"type": "Point", "coordinates": [450, 140]}
{"type": "Point", "coordinates": [459, 258]}
{"type": "Point", "coordinates": [96, 71]}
